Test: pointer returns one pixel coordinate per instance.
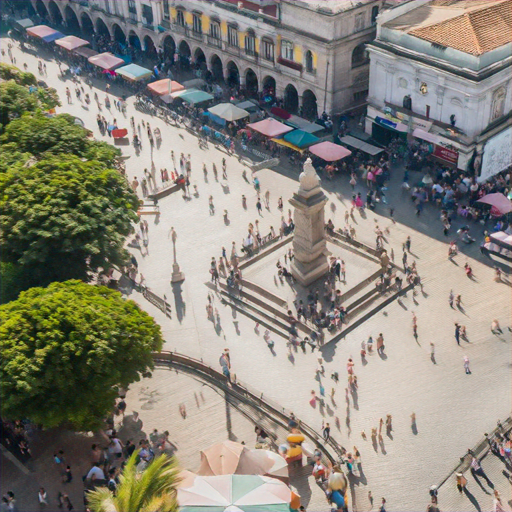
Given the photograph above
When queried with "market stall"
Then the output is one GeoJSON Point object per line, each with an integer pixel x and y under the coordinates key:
{"type": "Point", "coordinates": [270, 127]}
{"type": "Point", "coordinates": [45, 33]}
{"type": "Point", "coordinates": [228, 112]}
{"type": "Point", "coordinates": [329, 151]}
{"type": "Point", "coordinates": [369, 149]}
{"type": "Point", "coordinates": [195, 96]}
{"type": "Point", "coordinates": [301, 139]}
{"type": "Point", "coordinates": [134, 72]}
{"type": "Point", "coordinates": [85, 52]}
{"type": "Point", "coordinates": [71, 43]}
{"type": "Point", "coordinates": [106, 61]}
{"type": "Point", "coordinates": [165, 86]}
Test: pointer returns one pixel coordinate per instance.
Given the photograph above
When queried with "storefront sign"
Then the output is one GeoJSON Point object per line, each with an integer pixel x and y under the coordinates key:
{"type": "Point", "coordinates": [448, 155]}
{"type": "Point", "coordinates": [497, 154]}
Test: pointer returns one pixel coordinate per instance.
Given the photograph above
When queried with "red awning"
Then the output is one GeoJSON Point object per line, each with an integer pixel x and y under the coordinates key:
{"type": "Point", "coordinates": [106, 61]}
{"type": "Point", "coordinates": [280, 112]}
{"type": "Point", "coordinates": [71, 42]}
{"type": "Point", "coordinates": [270, 127]}
{"type": "Point", "coordinates": [329, 151]}
{"type": "Point", "coordinates": [161, 87]}
{"type": "Point", "coordinates": [498, 201]}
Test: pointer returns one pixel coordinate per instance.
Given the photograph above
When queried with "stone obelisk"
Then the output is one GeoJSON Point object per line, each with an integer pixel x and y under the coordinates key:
{"type": "Point", "coordinates": [309, 242]}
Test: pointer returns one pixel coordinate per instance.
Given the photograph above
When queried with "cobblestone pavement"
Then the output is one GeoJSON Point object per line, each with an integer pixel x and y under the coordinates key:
{"type": "Point", "coordinates": [452, 409]}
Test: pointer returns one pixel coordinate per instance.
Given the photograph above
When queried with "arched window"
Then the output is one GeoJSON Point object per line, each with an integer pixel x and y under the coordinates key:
{"type": "Point", "coordinates": [309, 61]}
{"type": "Point", "coordinates": [375, 13]}
{"type": "Point", "coordinates": [359, 56]}
{"type": "Point", "coordinates": [233, 35]}
{"type": "Point", "coordinates": [180, 18]}
{"type": "Point", "coordinates": [250, 43]}
{"type": "Point", "coordinates": [287, 49]}
{"type": "Point", "coordinates": [407, 102]}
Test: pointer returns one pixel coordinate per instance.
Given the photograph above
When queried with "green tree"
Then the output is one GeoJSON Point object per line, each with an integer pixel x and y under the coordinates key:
{"type": "Point", "coordinates": [37, 134]}
{"type": "Point", "coordinates": [10, 72]}
{"type": "Point", "coordinates": [153, 490]}
{"type": "Point", "coordinates": [15, 100]}
{"type": "Point", "coordinates": [63, 218]}
{"type": "Point", "coordinates": [65, 348]}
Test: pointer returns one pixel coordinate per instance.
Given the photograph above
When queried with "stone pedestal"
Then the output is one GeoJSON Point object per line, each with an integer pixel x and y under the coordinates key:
{"type": "Point", "coordinates": [309, 242]}
{"type": "Point", "coordinates": [177, 275]}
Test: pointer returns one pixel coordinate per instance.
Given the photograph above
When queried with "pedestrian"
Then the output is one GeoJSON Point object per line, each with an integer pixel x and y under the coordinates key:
{"type": "Point", "coordinates": [495, 327]}
{"type": "Point", "coordinates": [144, 187]}
{"type": "Point", "coordinates": [451, 298]}
{"type": "Point", "coordinates": [211, 206]}
{"type": "Point", "coordinates": [68, 476]}
{"type": "Point", "coordinates": [404, 260]}
{"type": "Point", "coordinates": [389, 423]}
{"type": "Point", "coordinates": [280, 204]}
{"type": "Point", "coordinates": [258, 206]}
{"type": "Point", "coordinates": [326, 432]}
{"type": "Point", "coordinates": [407, 244]}
{"type": "Point", "coordinates": [458, 301]}
{"type": "Point", "coordinates": [432, 353]}
{"type": "Point", "coordinates": [268, 341]}
{"type": "Point", "coordinates": [457, 333]}
{"type": "Point", "coordinates": [461, 482]}
{"type": "Point", "coordinates": [215, 173]}
{"type": "Point", "coordinates": [383, 505]}
{"type": "Point", "coordinates": [466, 365]}
{"type": "Point", "coordinates": [43, 498]}
{"type": "Point", "coordinates": [267, 199]}
{"type": "Point", "coordinates": [380, 344]}
{"type": "Point", "coordinates": [135, 184]}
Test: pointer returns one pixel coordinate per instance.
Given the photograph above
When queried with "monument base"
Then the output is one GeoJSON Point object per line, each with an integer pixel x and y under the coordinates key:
{"type": "Point", "coordinates": [177, 275]}
{"type": "Point", "coordinates": [307, 273]}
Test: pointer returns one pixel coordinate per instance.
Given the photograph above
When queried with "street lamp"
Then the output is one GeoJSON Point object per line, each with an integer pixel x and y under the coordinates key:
{"type": "Point", "coordinates": [177, 275]}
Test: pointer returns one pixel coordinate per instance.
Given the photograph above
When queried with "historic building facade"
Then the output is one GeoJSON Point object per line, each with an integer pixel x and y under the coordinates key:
{"type": "Point", "coordinates": [312, 52]}
{"type": "Point", "coordinates": [441, 71]}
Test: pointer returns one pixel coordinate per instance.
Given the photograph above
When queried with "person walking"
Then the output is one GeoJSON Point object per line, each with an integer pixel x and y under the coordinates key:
{"type": "Point", "coordinates": [432, 353]}
{"type": "Point", "coordinates": [407, 244]}
{"type": "Point", "coordinates": [267, 199]}
{"type": "Point", "coordinates": [404, 260]}
{"type": "Point", "coordinates": [466, 365]}
{"type": "Point", "coordinates": [451, 298]}
{"type": "Point", "coordinates": [42, 498]}
{"type": "Point", "coordinates": [326, 432]}
{"type": "Point", "coordinates": [380, 344]}
{"type": "Point", "coordinates": [457, 333]}
{"type": "Point", "coordinates": [258, 207]}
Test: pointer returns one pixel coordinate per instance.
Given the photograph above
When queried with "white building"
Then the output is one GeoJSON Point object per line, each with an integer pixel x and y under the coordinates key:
{"type": "Point", "coordinates": [441, 70]}
{"type": "Point", "coordinates": [311, 52]}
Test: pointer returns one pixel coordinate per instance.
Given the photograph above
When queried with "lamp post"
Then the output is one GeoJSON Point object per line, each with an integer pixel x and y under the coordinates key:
{"type": "Point", "coordinates": [177, 275]}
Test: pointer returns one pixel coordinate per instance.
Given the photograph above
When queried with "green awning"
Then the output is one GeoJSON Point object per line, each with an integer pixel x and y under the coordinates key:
{"type": "Point", "coordinates": [301, 139]}
{"type": "Point", "coordinates": [194, 97]}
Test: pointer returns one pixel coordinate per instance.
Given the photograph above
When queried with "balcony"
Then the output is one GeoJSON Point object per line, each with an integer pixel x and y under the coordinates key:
{"type": "Point", "coordinates": [252, 55]}
{"type": "Point", "coordinates": [180, 29]}
{"type": "Point", "coordinates": [196, 35]}
{"type": "Point", "coordinates": [214, 41]}
{"type": "Point", "coordinates": [166, 24]}
{"type": "Point", "coordinates": [290, 64]}
{"type": "Point", "coordinates": [233, 50]}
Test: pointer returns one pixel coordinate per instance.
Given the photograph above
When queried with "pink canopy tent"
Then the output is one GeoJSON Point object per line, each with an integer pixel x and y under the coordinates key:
{"type": "Point", "coordinates": [71, 42]}
{"type": "Point", "coordinates": [106, 61]}
{"type": "Point", "coordinates": [270, 127]}
{"type": "Point", "coordinates": [499, 203]}
{"type": "Point", "coordinates": [161, 87]}
{"type": "Point", "coordinates": [329, 151]}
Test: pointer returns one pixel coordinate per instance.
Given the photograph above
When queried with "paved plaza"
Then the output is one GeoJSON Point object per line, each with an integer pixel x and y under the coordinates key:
{"type": "Point", "coordinates": [452, 409]}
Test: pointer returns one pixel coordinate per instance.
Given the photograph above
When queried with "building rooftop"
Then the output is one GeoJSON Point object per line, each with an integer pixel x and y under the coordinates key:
{"type": "Point", "coordinates": [329, 6]}
{"type": "Point", "coordinates": [470, 26]}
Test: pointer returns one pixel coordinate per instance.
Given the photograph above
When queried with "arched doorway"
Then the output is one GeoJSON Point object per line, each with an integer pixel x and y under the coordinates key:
{"type": "Point", "coordinates": [55, 13]}
{"type": "Point", "coordinates": [119, 35]}
{"type": "Point", "coordinates": [41, 10]}
{"type": "Point", "coordinates": [251, 83]}
{"type": "Point", "coordinates": [169, 47]}
{"type": "Point", "coordinates": [291, 99]}
{"type": "Point", "coordinates": [71, 20]}
{"type": "Point", "coordinates": [102, 29]}
{"type": "Point", "coordinates": [233, 75]}
{"type": "Point", "coordinates": [309, 105]}
{"type": "Point", "coordinates": [87, 26]}
{"type": "Point", "coordinates": [149, 47]}
{"type": "Point", "coordinates": [216, 67]}
{"type": "Point", "coordinates": [184, 53]}
{"type": "Point", "coordinates": [200, 59]}
{"type": "Point", "coordinates": [269, 85]}
{"type": "Point", "coordinates": [134, 41]}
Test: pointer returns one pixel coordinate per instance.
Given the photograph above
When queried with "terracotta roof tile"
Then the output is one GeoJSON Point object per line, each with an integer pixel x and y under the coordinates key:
{"type": "Point", "coordinates": [475, 31]}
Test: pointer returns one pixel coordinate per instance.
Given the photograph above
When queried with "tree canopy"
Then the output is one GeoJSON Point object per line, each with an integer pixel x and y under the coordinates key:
{"type": "Point", "coordinates": [63, 218]}
{"type": "Point", "coordinates": [153, 490]}
{"type": "Point", "coordinates": [66, 347]}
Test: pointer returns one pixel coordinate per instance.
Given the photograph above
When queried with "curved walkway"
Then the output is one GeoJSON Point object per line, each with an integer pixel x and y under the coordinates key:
{"type": "Point", "coordinates": [250, 398]}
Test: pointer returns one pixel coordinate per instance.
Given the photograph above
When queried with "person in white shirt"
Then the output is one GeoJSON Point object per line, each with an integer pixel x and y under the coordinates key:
{"type": "Point", "coordinates": [97, 472]}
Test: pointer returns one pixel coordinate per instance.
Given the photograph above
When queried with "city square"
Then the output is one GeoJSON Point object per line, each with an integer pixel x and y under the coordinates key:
{"type": "Point", "coordinates": [441, 391]}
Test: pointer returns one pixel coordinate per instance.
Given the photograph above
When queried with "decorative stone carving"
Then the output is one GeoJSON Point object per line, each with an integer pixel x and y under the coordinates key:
{"type": "Point", "coordinates": [309, 242]}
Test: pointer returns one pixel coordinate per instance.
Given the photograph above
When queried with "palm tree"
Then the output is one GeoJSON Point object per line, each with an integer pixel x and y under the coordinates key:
{"type": "Point", "coordinates": [152, 490]}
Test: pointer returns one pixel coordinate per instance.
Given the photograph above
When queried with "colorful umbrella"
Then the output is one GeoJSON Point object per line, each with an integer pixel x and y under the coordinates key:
{"type": "Point", "coordinates": [228, 458]}
{"type": "Point", "coordinates": [270, 127]}
{"type": "Point", "coordinates": [329, 151]}
{"type": "Point", "coordinates": [229, 493]}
